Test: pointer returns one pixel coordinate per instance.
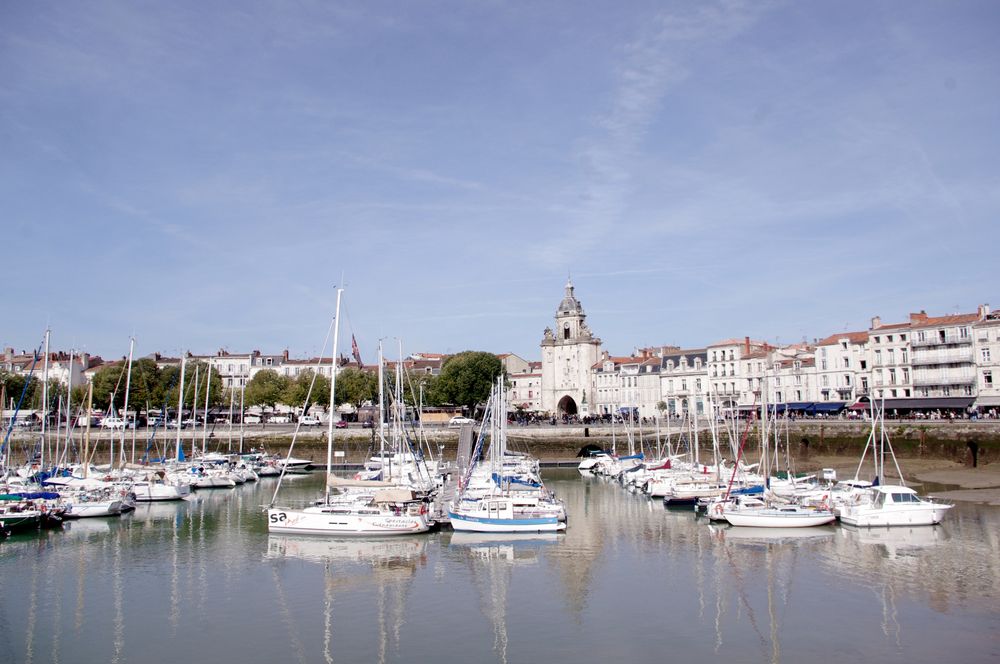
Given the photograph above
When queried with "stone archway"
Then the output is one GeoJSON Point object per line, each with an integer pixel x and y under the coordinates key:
{"type": "Point", "coordinates": [567, 406]}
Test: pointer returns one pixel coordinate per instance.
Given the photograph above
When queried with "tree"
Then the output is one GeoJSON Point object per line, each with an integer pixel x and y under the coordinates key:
{"type": "Point", "coordinates": [297, 389]}
{"type": "Point", "coordinates": [167, 381]}
{"type": "Point", "coordinates": [467, 378]}
{"type": "Point", "coordinates": [266, 388]}
{"type": "Point", "coordinates": [14, 386]}
{"type": "Point", "coordinates": [356, 386]}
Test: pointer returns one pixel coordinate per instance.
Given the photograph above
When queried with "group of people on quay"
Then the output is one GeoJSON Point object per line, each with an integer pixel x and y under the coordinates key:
{"type": "Point", "coordinates": [765, 493]}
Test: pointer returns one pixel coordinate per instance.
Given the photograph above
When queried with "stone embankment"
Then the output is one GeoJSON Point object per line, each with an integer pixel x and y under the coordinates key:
{"type": "Point", "coordinates": [969, 443]}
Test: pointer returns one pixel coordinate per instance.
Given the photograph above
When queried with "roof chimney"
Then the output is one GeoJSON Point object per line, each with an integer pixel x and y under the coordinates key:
{"type": "Point", "coordinates": [284, 355]}
{"type": "Point", "coordinates": [984, 311]}
{"type": "Point", "coordinates": [918, 317]}
{"type": "Point", "coordinates": [746, 345]}
{"type": "Point", "coordinates": [876, 322]}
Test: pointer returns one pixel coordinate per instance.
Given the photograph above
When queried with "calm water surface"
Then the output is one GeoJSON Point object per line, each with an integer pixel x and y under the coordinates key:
{"type": "Point", "coordinates": [629, 581]}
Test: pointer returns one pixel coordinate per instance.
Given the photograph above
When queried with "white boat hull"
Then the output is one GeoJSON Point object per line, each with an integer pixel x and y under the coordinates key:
{"type": "Point", "coordinates": [865, 517]}
{"type": "Point", "coordinates": [339, 523]}
{"type": "Point", "coordinates": [461, 522]}
{"type": "Point", "coordinates": [90, 509]}
{"type": "Point", "coordinates": [151, 492]}
{"type": "Point", "coordinates": [777, 518]}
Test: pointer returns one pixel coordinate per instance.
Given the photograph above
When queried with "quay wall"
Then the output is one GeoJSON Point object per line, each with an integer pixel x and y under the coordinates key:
{"type": "Point", "coordinates": [968, 442]}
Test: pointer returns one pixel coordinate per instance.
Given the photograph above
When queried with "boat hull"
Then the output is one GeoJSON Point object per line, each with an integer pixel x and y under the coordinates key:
{"type": "Point", "coordinates": [307, 522]}
{"type": "Point", "coordinates": [917, 516]}
{"type": "Point", "coordinates": [461, 522]}
{"type": "Point", "coordinates": [93, 509]}
{"type": "Point", "coordinates": [160, 492]}
{"type": "Point", "coordinates": [778, 518]}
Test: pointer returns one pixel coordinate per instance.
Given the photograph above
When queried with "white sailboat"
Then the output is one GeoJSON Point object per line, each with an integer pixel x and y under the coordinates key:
{"type": "Point", "coordinates": [504, 508]}
{"type": "Point", "coordinates": [383, 510]}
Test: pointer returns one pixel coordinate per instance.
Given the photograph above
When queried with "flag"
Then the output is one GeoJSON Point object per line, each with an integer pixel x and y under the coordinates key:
{"type": "Point", "coordinates": [356, 352]}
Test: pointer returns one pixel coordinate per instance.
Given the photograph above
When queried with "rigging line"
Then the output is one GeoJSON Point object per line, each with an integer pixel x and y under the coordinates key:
{"type": "Point", "coordinates": [298, 424]}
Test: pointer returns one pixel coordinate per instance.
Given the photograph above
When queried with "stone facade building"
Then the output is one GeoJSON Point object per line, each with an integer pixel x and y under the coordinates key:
{"type": "Point", "coordinates": [568, 353]}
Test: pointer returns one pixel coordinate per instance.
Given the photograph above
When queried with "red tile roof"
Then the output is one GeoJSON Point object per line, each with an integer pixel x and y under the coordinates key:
{"type": "Point", "coordinates": [852, 337]}
{"type": "Point", "coordinates": [954, 319]}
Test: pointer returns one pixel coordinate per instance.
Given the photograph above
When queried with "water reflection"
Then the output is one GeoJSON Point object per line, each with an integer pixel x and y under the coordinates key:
{"type": "Point", "coordinates": [383, 567]}
{"type": "Point", "coordinates": [491, 559]}
{"type": "Point", "coordinates": [627, 580]}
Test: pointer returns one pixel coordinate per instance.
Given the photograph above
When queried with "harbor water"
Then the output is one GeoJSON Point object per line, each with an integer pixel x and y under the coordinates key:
{"type": "Point", "coordinates": [629, 581]}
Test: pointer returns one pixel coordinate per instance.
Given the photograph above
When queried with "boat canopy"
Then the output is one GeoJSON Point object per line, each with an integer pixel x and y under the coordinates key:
{"type": "Point", "coordinates": [393, 496]}
{"type": "Point", "coordinates": [335, 482]}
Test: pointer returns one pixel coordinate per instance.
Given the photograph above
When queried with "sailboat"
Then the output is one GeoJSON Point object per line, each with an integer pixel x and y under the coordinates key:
{"type": "Point", "coordinates": [888, 504]}
{"type": "Point", "coordinates": [773, 512]}
{"type": "Point", "coordinates": [511, 503]}
{"type": "Point", "coordinates": [380, 509]}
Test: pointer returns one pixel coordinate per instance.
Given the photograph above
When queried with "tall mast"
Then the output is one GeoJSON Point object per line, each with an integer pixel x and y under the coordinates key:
{"type": "Point", "coordinates": [180, 405]}
{"type": "Point", "coordinates": [128, 385]}
{"type": "Point", "coordinates": [232, 398]}
{"type": "Point", "coordinates": [194, 415]}
{"type": "Point", "coordinates": [86, 433]}
{"type": "Point", "coordinates": [45, 397]}
{"type": "Point", "coordinates": [381, 402]}
{"type": "Point", "coordinates": [333, 392]}
{"type": "Point", "coordinates": [243, 389]}
{"type": "Point", "coordinates": [208, 390]}
{"type": "Point", "coordinates": [69, 410]}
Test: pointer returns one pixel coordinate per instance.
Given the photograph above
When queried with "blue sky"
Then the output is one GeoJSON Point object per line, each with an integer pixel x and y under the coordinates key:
{"type": "Point", "coordinates": [201, 175]}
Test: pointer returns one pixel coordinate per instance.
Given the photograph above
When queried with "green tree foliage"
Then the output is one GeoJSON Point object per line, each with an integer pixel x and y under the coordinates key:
{"type": "Point", "coordinates": [466, 378]}
{"type": "Point", "coordinates": [168, 383]}
{"type": "Point", "coordinates": [295, 392]}
{"type": "Point", "coordinates": [109, 386]}
{"type": "Point", "coordinates": [14, 385]}
{"type": "Point", "coordinates": [266, 389]}
{"type": "Point", "coordinates": [355, 386]}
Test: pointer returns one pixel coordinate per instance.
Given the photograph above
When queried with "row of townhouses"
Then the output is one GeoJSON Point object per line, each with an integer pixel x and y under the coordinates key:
{"type": "Point", "coordinates": [927, 364]}
{"type": "Point", "coordinates": [940, 364]}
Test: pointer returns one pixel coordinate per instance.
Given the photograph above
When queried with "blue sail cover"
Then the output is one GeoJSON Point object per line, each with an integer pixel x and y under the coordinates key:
{"type": "Point", "coordinates": [510, 479]}
{"type": "Point", "coordinates": [640, 455]}
{"type": "Point", "coordinates": [749, 490]}
{"type": "Point", "coordinates": [37, 495]}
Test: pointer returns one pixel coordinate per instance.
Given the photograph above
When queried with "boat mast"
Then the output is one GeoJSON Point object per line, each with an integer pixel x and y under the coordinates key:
{"type": "Point", "coordinates": [45, 398]}
{"type": "Point", "coordinates": [381, 403]}
{"type": "Point", "coordinates": [333, 390]}
{"type": "Point", "coordinates": [232, 398]}
{"type": "Point", "coordinates": [243, 389]}
{"type": "Point", "coordinates": [69, 413]}
{"type": "Point", "coordinates": [194, 415]}
{"type": "Point", "coordinates": [180, 405]}
{"type": "Point", "coordinates": [86, 433]}
{"type": "Point", "coordinates": [128, 385]}
{"type": "Point", "coordinates": [208, 390]}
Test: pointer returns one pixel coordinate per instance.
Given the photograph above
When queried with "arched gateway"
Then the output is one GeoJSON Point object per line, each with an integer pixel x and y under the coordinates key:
{"type": "Point", "coordinates": [567, 406]}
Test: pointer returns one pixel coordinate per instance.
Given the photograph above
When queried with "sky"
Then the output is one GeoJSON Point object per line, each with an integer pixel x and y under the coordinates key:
{"type": "Point", "coordinates": [203, 176]}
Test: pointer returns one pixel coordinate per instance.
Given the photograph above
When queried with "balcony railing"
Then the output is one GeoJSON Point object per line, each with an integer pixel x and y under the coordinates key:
{"type": "Point", "coordinates": [924, 359]}
{"type": "Point", "coordinates": [926, 381]}
{"type": "Point", "coordinates": [936, 340]}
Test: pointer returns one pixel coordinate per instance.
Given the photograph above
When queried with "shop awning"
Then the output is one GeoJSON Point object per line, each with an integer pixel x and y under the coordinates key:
{"type": "Point", "coordinates": [930, 403]}
{"type": "Point", "coordinates": [987, 401]}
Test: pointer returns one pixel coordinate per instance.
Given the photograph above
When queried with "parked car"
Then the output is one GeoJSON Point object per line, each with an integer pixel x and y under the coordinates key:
{"type": "Point", "coordinates": [115, 423]}
{"type": "Point", "coordinates": [341, 424]}
{"type": "Point", "coordinates": [310, 421]}
{"type": "Point", "coordinates": [367, 424]}
{"type": "Point", "coordinates": [279, 419]}
{"type": "Point", "coordinates": [458, 421]}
